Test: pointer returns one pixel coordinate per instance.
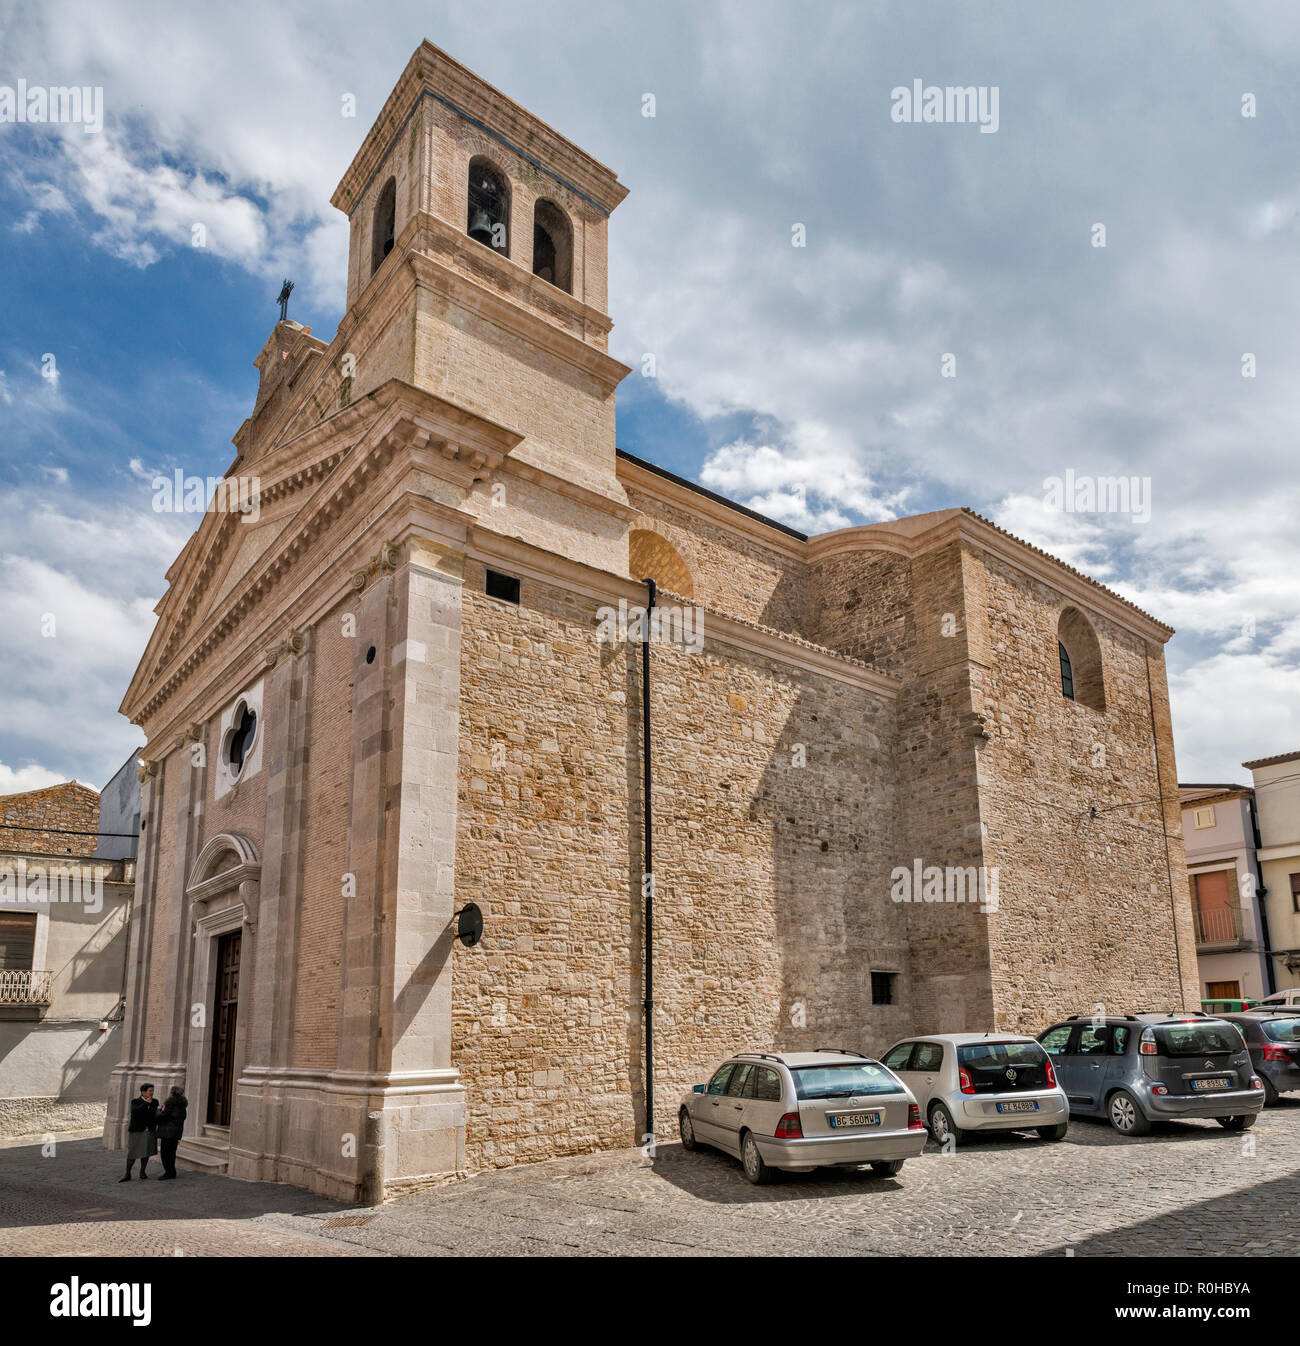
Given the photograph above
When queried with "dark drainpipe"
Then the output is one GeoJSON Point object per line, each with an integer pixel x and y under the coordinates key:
{"type": "Point", "coordinates": [1261, 893]}
{"type": "Point", "coordinates": [647, 878]}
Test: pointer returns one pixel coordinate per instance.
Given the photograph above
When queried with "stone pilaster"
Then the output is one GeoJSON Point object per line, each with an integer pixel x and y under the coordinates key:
{"type": "Point", "coordinates": [268, 986]}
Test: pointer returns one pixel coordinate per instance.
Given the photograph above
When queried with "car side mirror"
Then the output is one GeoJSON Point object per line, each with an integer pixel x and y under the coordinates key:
{"type": "Point", "coordinates": [697, 1088]}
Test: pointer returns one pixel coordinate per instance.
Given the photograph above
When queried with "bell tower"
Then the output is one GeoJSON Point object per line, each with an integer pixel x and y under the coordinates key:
{"type": "Point", "coordinates": [477, 272]}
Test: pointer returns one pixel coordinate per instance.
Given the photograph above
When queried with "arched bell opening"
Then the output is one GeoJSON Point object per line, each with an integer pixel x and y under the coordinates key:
{"type": "Point", "coordinates": [488, 217]}
{"type": "Point", "coordinates": [383, 229]}
{"type": "Point", "coordinates": [553, 246]}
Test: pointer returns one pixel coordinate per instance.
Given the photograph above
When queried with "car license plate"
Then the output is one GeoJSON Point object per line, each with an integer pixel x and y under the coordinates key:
{"type": "Point", "coordinates": [838, 1119]}
{"type": "Point", "coordinates": [1218, 1083]}
{"type": "Point", "coordinates": [1028, 1105]}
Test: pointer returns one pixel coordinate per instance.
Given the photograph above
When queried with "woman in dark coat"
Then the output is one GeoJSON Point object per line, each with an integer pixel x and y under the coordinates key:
{"type": "Point", "coordinates": [140, 1142]}
{"type": "Point", "coordinates": [171, 1124]}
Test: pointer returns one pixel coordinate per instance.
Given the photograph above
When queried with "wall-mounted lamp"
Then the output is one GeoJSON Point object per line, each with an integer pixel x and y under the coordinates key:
{"type": "Point", "coordinates": [469, 924]}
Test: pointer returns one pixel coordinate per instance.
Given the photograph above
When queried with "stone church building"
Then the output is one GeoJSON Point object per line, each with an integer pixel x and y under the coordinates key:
{"type": "Point", "coordinates": [395, 691]}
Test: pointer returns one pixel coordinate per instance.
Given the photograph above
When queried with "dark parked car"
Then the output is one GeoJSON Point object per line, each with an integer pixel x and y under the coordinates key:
{"type": "Point", "coordinates": [1135, 1069]}
{"type": "Point", "coordinates": [1273, 1041]}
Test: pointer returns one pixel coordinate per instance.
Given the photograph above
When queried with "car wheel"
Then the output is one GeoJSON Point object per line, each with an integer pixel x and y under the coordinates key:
{"type": "Point", "coordinates": [755, 1169]}
{"type": "Point", "coordinates": [942, 1126]}
{"type": "Point", "coordinates": [1125, 1115]}
{"type": "Point", "coordinates": [887, 1168]}
{"type": "Point", "coordinates": [1271, 1094]}
{"type": "Point", "coordinates": [1056, 1132]}
{"type": "Point", "coordinates": [1241, 1122]}
{"type": "Point", "coordinates": [686, 1129]}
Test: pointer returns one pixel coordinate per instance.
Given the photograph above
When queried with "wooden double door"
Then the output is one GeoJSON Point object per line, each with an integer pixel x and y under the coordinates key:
{"type": "Point", "coordinates": [225, 1020]}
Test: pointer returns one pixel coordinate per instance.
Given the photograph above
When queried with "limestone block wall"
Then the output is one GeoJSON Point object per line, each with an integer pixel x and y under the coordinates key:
{"type": "Point", "coordinates": [453, 142]}
{"type": "Point", "coordinates": [908, 616]}
{"type": "Point", "coordinates": [771, 903]}
{"type": "Point", "coordinates": [1091, 909]}
{"type": "Point", "coordinates": [732, 569]}
{"type": "Point", "coordinates": [565, 413]}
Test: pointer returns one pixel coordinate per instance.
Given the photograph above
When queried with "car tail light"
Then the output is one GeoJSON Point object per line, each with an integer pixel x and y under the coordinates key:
{"type": "Point", "coordinates": [914, 1122]}
{"type": "Point", "coordinates": [789, 1128]}
{"type": "Point", "coordinates": [1051, 1074]}
{"type": "Point", "coordinates": [1148, 1044]}
{"type": "Point", "coordinates": [1276, 1054]}
{"type": "Point", "coordinates": [966, 1086]}
{"type": "Point", "coordinates": [1256, 1082]}
{"type": "Point", "coordinates": [1161, 1089]}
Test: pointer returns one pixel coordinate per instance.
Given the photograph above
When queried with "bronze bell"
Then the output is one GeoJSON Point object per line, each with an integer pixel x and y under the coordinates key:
{"type": "Point", "coordinates": [480, 227]}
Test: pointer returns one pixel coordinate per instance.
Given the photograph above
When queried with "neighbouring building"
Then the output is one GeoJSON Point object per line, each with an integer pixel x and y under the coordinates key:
{"type": "Point", "coordinates": [1220, 840]}
{"type": "Point", "coordinates": [64, 914]}
{"type": "Point", "coordinates": [1277, 802]}
{"type": "Point", "coordinates": [908, 776]}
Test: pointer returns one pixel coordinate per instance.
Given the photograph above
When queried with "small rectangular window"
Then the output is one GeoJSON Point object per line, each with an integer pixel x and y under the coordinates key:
{"type": "Point", "coordinates": [1204, 817]}
{"type": "Point", "coordinates": [882, 988]}
{"type": "Point", "coordinates": [504, 587]}
{"type": "Point", "coordinates": [17, 941]}
{"type": "Point", "coordinates": [1295, 892]}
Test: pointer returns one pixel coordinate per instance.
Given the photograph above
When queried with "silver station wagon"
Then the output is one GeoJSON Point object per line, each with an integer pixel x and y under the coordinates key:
{"type": "Point", "coordinates": [981, 1082]}
{"type": "Point", "coordinates": [804, 1110]}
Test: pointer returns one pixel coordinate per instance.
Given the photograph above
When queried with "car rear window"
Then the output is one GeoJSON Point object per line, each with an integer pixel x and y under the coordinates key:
{"type": "Point", "coordinates": [839, 1081]}
{"type": "Point", "coordinates": [1282, 1030]}
{"type": "Point", "coordinates": [1200, 1039]}
{"type": "Point", "coordinates": [988, 1064]}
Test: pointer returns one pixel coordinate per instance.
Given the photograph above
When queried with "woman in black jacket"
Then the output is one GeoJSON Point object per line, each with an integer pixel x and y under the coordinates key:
{"type": "Point", "coordinates": [171, 1123]}
{"type": "Point", "coordinates": [140, 1140]}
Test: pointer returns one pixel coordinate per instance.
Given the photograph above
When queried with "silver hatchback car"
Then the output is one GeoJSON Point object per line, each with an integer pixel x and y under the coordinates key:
{"type": "Point", "coordinates": [981, 1082]}
{"type": "Point", "coordinates": [804, 1110]}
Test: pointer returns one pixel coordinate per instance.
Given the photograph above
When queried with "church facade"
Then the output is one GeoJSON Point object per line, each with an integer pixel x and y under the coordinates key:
{"type": "Point", "coordinates": [911, 776]}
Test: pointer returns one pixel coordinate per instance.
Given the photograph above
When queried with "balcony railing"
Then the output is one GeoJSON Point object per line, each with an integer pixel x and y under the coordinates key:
{"type": "Point", "coordinates": [25, 988]}
{"type": "Point", "coordinates": [1218, 925]}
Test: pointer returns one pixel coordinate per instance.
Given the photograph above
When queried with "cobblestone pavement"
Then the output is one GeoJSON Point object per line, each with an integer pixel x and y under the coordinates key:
{"type": "Point", "coordinates": [70, 1204]}
{"type": "Point", "coordinates": [1188, 1188]}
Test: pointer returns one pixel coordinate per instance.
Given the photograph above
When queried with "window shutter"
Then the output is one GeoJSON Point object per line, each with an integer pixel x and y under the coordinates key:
{"type": "Point", "coordinates": [17, 941]}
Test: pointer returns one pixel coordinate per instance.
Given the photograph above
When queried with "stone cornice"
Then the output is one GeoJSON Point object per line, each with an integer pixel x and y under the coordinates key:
{"type": "Point", "coordinates": [569, 488]}
{"type": "Point", "coordinates": [432, 73]}
{"type": "Point", "coordinates": [523, 558]}
{"type": "Point", "coordinates": [920, 534]}
{"type": "Point", "coordinates": [447, 440]}
{"type": "Point", "coordinates": [431, 236]}
{"type": "Point", "coordinates": [178, 606]}
{"type": "Point", "coordinates": [513, 317]}
{"type": "Point", "coordinates": [728, 516]}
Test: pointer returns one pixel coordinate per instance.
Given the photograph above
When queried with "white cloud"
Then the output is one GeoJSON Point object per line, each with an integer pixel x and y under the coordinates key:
{"type": "Point", "coordinates": [921, 241]}
{"type": "Point", "coordinates": [78, 584]}
{"type": "Point", "coordinates": [15, 780]}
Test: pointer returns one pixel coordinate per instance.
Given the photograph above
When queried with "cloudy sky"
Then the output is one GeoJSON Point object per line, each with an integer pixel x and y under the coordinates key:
{"type": "Point", "coordinates": [808, 382]}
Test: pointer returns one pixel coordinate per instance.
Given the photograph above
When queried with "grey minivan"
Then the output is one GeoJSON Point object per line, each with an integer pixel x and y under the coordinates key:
{"type": "Point", "coordinates": [1136, 1069]}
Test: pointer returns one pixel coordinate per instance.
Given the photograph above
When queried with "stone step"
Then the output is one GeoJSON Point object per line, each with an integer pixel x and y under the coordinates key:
{"type": "Point", "coordinates": [208, 1153]}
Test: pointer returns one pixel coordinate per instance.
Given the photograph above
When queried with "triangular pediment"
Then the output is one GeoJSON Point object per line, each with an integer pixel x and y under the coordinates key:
{"type": "Point", "coordinates": [306, 484]}
{"type": "Point", "coordinates": [249, 544]}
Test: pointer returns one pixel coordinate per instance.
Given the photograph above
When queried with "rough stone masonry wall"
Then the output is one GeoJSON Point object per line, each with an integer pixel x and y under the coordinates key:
{"type": "Point", "coordinates": [40, 820]}
{"type": "Point", "coordinates": [771, 902]}
{"type": "Point", "coordinates": [908, 617]}
{"type": "Point", "coordinates": [1086, 914]}
{"type": "Point", "coordinates": [731, 570]}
